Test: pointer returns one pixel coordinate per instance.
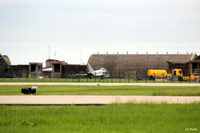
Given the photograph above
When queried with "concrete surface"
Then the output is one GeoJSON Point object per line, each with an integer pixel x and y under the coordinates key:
{"type": "Point", "coordinates": [105, 84]}
{"type": "Point", "coordinates": [93, 100]}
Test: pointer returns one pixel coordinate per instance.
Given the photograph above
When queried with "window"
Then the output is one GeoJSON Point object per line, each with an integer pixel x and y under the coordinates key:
{"type": "Point", "coordinates": [33, 67]}
{"type": "Point", "coordinates": [174, 72]}
{"type": "Point", "coordinates": [56, 67]}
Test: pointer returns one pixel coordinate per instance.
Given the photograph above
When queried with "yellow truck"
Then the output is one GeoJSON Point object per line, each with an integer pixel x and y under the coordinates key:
{"type": "Point", "coordinates": [192, 77]}
{"type": "Point", "coordinates": [162, 74]}
{"type": "Point", "coordinates": [155, 74]}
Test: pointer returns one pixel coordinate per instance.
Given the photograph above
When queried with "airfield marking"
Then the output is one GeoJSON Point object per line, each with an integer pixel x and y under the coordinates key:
{"type": "Point", "coordinates": [93, 100]}
{"type": "Point", "coordinates": [106, 84]}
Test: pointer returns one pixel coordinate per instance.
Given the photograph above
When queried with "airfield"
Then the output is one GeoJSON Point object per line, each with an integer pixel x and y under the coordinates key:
{"type": "Point", "coordinates": [93, 99]}
{"type": "Point", "coordinates": [95, 105]}
{"type": "Point", "coordinates": [66, 105]}
{"type": "Point", "coordinates": [94, 66]}
{"type": "Point", "coordinates": [100, 107]}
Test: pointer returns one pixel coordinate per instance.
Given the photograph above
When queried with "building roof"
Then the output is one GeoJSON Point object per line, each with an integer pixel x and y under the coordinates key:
{"type": "Point", "coordinates": [52, 60]}
{"type": "Point", "coordinates": [6, 59]}
{"type": "Point", "coordinates": [178, 61]}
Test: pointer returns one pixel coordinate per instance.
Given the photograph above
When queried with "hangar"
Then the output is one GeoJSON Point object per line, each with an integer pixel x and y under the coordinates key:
{"type": "Point", "coordinates": [123, 64]}
{"type": "Point", "coordinates": [5, 70]}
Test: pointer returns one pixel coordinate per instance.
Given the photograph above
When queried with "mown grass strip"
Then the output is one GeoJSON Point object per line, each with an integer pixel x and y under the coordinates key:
{"type": "Point", "coordinates": [106, 90]}
{"type": "Point", "coordinates": [123, 118]}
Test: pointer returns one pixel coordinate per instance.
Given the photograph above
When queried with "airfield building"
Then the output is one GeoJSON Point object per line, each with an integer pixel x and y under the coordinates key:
{"type": "Point", "coordinates": [72, 69]}
{"type": "Point", "coordinates": [118, 65]}
{"type": "Point", "coordinates": [61, 70]}
{"type": "Point", "coordinates": [54, 69]}
{"type": "Point", "coordinates": [35, 69]}
{"type": "Point", "coordinates": [124, 64]}
{"type": "Point", "coordinates": [49, 62]}
{"type": "Point", "coordinates": [5, 70]}
{"type": "Point", "coordinates": [20, 71]}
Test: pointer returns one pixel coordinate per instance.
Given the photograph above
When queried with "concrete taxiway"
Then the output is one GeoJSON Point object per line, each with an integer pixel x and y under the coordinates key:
{"type": "Point", "coordinates": [93, 100]}
{"type": "Point", "coordinates": [104, 84]}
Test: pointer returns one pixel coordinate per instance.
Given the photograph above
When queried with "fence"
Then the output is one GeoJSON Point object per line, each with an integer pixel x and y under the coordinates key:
{"type": "Point", "coordinates": [114, 78]}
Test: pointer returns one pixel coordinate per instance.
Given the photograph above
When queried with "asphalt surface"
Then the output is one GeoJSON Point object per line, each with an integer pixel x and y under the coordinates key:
{"type": "Point", "coordinates": [93, 100]}
{"type": "Point", "coordinates": [105, 84]}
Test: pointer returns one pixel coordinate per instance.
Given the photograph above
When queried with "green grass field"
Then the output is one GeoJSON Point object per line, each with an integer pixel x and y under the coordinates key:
{"type": "Point", "coordinates": [84, 80]}
{"type": "Point", "coordinates": [106, 90]}
{"type": "Point", "coordinates": [123, 118]}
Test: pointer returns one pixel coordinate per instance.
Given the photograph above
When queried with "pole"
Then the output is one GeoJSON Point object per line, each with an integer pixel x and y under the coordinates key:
{"type": "Point", "coordinates": [163, 78]}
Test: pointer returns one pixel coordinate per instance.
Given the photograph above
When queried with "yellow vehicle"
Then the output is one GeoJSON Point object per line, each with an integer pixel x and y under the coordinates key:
{"type": "Point", "coordinates": [162, 74]}
{"type": "Point", "coordinates": [178, 72]}
{"type": "Point", "coordinates": [152, 74]}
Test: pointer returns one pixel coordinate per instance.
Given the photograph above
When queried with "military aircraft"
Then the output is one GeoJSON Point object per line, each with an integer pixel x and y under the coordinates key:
{"type": "Point", "coordinates": [102, 72]}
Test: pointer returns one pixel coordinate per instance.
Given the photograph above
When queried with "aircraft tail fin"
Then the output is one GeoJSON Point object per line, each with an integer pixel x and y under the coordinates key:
{"type": "Point", "coordinates": [90, 68]}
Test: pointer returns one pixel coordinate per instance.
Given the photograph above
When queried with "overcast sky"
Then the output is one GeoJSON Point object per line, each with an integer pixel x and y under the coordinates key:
{"type": "Point", "coordinates": [74, 29]}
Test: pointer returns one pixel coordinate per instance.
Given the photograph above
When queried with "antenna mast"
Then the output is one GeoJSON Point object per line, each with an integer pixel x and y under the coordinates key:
{"type": "Point", "coordinates": [49, 50]}
{"type": "Point", "coordinates": [55, 54]}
